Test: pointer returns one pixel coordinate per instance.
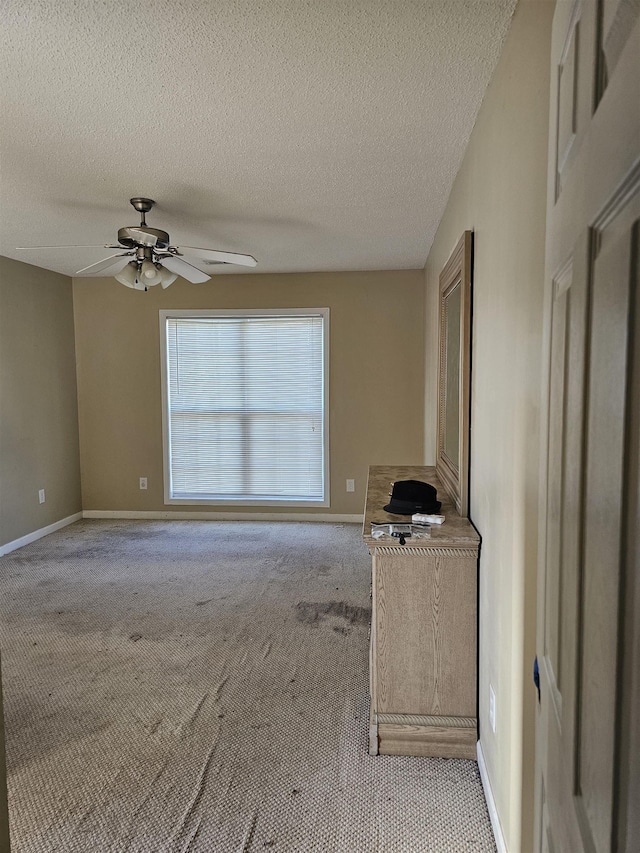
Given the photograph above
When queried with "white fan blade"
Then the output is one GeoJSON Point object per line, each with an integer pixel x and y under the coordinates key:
{"type": "Point", "coordinates": [113, 266]}
{"type": "Point", "coordinates": [220, 257]}
{"type": "Point", "coordinates": [185, 269]}
{"type": "Point", "coordinates": [101, 246]}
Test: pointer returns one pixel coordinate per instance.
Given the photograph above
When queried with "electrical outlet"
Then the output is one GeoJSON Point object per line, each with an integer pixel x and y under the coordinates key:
{"type": "Point", "coordinates": [492, 709]}
{"type": "Point", "coordinates": [143, 483]}
{"type": "Point", "coordinates": [41, 497]}
{"type": "Point", "coordinates": [351, 485]}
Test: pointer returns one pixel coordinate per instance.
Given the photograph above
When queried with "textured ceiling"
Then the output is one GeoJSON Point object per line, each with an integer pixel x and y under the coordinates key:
{"type": "Point", "coordinates": [313, 134]}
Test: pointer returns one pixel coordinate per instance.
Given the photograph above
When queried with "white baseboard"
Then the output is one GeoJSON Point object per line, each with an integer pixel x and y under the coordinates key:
{"type": "Point", "coordinates": [491, 803]}
{"type": "Point", "coordinates": [38, 534]}
{"type": "Point", "coordinates": [168, 515]}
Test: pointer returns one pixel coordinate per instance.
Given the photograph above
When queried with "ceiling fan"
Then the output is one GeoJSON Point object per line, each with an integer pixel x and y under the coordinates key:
{"type": "Point", "coordinates": [146, 257]}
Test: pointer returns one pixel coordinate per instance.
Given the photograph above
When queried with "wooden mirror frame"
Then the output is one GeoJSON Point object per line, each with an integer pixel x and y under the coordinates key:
{"type": "Point", "coordinates": [455, 477]}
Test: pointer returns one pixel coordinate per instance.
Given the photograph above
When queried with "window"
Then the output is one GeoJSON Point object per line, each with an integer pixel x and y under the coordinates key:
{"type": "Point", "coordinates": [245, 406]}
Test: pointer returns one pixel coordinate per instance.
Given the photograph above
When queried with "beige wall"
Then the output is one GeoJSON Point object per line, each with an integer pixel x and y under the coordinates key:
{"type": "Point", "coordinates": [38, 410]}
{"type": "Point", "coordinates": [376, 377]}
{"type": "Point", "coordinates": [500, 193]}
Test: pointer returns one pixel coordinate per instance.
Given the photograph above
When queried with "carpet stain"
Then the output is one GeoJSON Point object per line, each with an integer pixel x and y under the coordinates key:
{"type": "Point", "coordinates": [139, 533]}
{"type": "Point", "coordinates": [312, 612]}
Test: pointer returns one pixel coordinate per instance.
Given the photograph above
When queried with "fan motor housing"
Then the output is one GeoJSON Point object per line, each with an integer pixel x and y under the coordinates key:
{"type": "Point", "coordinates": [127, 236]}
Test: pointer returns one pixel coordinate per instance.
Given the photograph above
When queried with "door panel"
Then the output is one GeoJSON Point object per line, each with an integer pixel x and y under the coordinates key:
{"type": "Point", "coordinates": [627, 821]}
{"type": "Point", "coordinates": [588, 645]}
{"type": "Point", "coordinates": [604, 457]}
{"type": "Point", "coordinates": [563, 528]}
{"type": "Point", "coordinates": [617, 20]}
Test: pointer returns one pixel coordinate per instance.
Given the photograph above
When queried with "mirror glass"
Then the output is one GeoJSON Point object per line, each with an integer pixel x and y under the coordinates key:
{"type": "Point", "coordinates": [452, 309]}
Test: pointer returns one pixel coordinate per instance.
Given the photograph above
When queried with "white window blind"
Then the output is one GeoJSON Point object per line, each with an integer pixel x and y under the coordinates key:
{"type": "Point", "coordinates": [245, 399]}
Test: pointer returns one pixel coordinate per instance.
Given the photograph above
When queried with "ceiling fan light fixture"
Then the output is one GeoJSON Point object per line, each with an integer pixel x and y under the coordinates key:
{"type": "Point", "coordinates": [167, 277]}
{"type": "Point", "coordinates": [149, 273]}
{"type": "Point", "coordinates": [129, 275]}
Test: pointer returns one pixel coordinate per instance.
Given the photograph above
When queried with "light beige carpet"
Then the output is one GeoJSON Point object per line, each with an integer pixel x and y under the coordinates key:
{"type": "Point", "coordinates": [202, 686]}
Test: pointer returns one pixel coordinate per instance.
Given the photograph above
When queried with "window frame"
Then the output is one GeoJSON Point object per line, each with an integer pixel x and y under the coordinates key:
{"type": "Point", "coordinates": [177, 314]}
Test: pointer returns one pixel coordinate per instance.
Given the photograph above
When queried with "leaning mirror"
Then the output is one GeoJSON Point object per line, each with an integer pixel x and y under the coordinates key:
{"type": "Point", "coordinates": [454, 379]}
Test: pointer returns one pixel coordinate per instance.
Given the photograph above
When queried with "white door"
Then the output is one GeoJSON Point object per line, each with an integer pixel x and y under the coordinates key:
{"type": "Point", "coordinates": [588, 736]}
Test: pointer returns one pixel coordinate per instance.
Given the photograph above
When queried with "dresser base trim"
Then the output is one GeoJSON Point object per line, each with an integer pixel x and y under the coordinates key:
{"type": "Point", "coordinates": [435, 741]}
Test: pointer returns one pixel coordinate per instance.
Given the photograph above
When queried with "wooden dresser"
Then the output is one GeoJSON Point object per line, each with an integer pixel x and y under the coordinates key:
{"type": "Point", "coordinates": [422, 660]}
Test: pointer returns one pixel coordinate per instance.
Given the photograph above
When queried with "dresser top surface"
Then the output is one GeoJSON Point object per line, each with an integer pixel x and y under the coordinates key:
{"type": "Point", "coordinates": [454, 532]}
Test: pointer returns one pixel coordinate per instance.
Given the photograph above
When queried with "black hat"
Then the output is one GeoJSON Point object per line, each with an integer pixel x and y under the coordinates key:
{"type": "Point", "coordinates": [409, 496]}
